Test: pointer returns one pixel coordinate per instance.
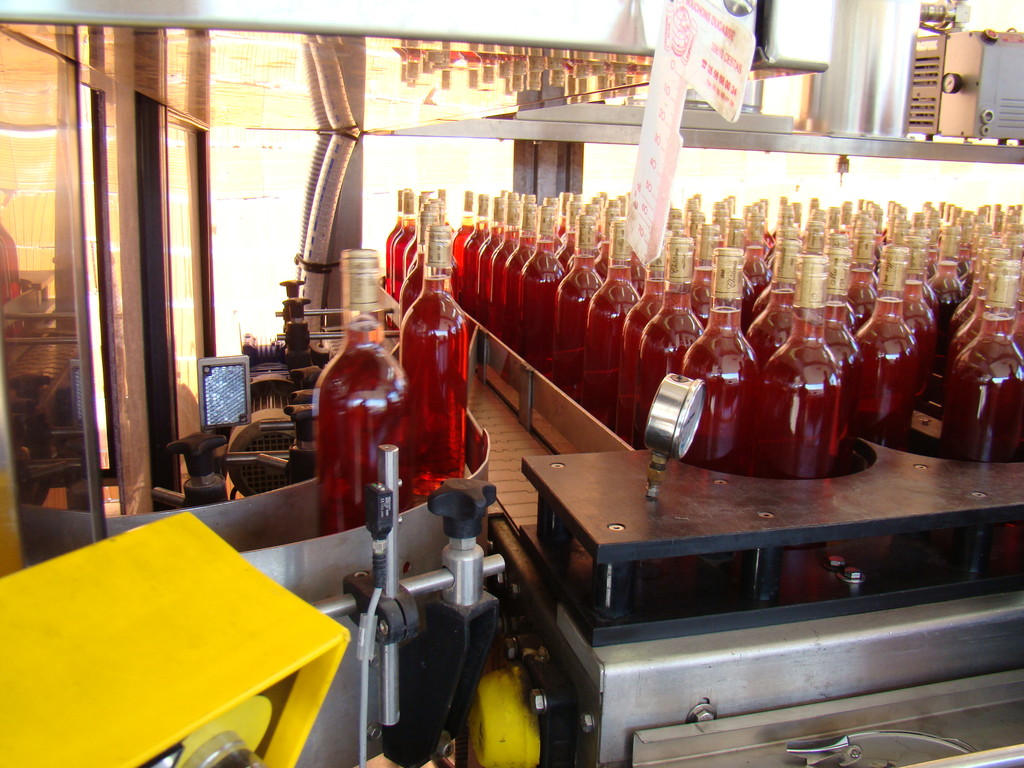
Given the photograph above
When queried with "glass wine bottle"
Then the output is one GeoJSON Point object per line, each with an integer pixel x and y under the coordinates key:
{"type": "Point", "coordinates": [466, 229]}
{"type": "Point", "coordinates": [890, 368]}
{"type": "Point", "coordinates": [724, 360]}
{"type": "Point", "coordinates": [771, 328]}
{"type": "Point", "coordinates": [948, 289]}
{"type": "Point", "coordinates": [605, 321]}
{"type": "Point", "coordinates": [629, 360]}
{"type": "Point", "coordinates": [800, 414]}
{"type": "Point", "coordinates": [485, 268]}
{"type": "Point", "coordinates": [395, 255]}
{"type": "Point", "coordinates": [985, 386]}
{"type": "Point", "coordinates": [434, 350]}
{"type": "Point", "coordinates": [510, 306]}
{"type": "Point", "coordinates": [568, 247]}
{"type": "Point", "coordinates": [668, 335]}
{"type": "Point", "coordinates": [508, 247]}
{"type": "Point", "coordinates": [755, 269]}
{"type": "Point", "coordinates": [918, 313]}
{"type": "Point", "coordinates": [841, 342]}
{"type": "Point", "coordinates": [472, 250]}
{"type": "Point", "coordinates": [572, 304]}
{"type": "Point", "coordinates": [700, 292]}
{"type": "Point", "coordinates": [542, 275]}
{"type": "Point", "coordinates": [414, 279]}
{"type": "Point", "coordinates": [975, 300]}
{"type": "Point", "coordinates": [360, 402]}
{"type": "Point", "coordinates": [389, 244]}
{"type": "Point", "coordinates": [971, 322]}
{"type": "Point", "coordinates": [604, 243]}
{"type": "Point", "coordinates": [863, 290]}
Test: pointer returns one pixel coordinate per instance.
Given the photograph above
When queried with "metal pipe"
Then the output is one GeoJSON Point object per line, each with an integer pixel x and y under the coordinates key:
{"type": "Point", "coordinates": [1003, 757]}
{"type": "Point", "coordinates": [316, 336]}
{"type": "Point", "coordinates": [315, 312]}
{"type": "Point", "coordinates": [424, 584]}
{"type": "Point", "coordinates": [387, 468]}
{"type": "Point", "coordinates": [170, 498]}
{"type": "Point", "coordinates": [272, 462]}
{"type": "Point", "coordinates": [251, 457]}
{"type": "Point", "coordinates": [276, 425]}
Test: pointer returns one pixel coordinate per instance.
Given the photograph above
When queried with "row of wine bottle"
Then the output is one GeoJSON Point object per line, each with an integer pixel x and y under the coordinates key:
{"type": "Point", "coordinates": [558, 284]}
{"type": "Point", "coordinates": [365, 398]}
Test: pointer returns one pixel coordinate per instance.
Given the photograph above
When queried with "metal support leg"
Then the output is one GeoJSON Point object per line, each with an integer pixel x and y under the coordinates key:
{"type": "Point", "coordinates": [972, 547]}
{"type": "Point", "coordinates": [762, 569]}
{"type": "Point", "coordinates": [613, 588]}
{"type": "Point", "coordinates": [550, 527]}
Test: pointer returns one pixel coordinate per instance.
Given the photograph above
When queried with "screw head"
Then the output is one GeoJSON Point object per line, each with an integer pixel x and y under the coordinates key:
{"type": "Point", "coordinates": [513, 590]}
{"type": "Point", "coordinates": [511, 648]}
{"type": "Point", "coordinates": [374, 731]}
{"type": "Point", "coordinates": [852, 575]}
{"type": "Point", "coordinates": [382, 627]}
{"type": "Point", "coordinates": [616, 527]}
{"type": "Point", "coordinates": [587, 722]}
{"type": "Point", "coordinates": [539, 701]}
{"type": "Point", "coordinates": [835, 562]}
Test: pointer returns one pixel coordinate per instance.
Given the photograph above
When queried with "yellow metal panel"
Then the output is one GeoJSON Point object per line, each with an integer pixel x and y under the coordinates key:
{"type": "Point", "coordinates": [117, 651]}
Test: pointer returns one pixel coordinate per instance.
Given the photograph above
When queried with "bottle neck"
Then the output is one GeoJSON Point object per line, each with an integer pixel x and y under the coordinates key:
{"type": "Point", "coordinates": [546, 244]}
{"type": "Point", "coordinates": [654, 283]}
{"type": "Point", "coordinates": [586, 259]}
{"type": "Point", "coordinates": [781, 296]}
{"type": "Point", "coordinates": [808, 324]}
{"type": "Point", "coordinates": [676, 296]}
{"type": "Point", "coordinates": [998, 322]}
{"type": "Point", "coordinates": [363, 328]}
{"type": "Point", "coordinates": [483, 225]}
{"type": "Point", "coordinates": [725, 315]}
{"type": "Point", "coordinates": [618, 272]}
{"type": "Point", "coordinates": [946, 269]}
{"type": "Point", "coordinates": [888, 306]}
{"type": "Point", "coordinates": [438, 279]}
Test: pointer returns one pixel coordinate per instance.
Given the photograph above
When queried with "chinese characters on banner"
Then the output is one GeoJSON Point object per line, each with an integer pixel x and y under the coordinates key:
{"type": "Point", "coordinates": [705, 47]}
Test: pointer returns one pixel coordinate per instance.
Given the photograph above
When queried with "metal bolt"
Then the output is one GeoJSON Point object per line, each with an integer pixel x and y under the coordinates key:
{"type": "Point", "coordinates": [513, 590]}
{"type": "Point", "coordinates": [703, 712]}
{"type": "Point", "coordinates": [835, 562]}
{"type": "Point", "coordinates": [720, 482]}
{"type": "Point", "coordinates": [987, 116]}
{"type": "Point", "coordinates": [445, 746]}
{"type": "Point", "coordinates": [374, 731]}
{"type": "Point", "coordinates": [920, 466]}
{"type": "Point", "coordinates": [382, 627]}
{"type": "Point", "coordinates": [765, 515]}
{"type": "Point", "coordinates": [558, 465]}
{"type": "Point", "coordinates": [500, 578]}
{"type": "Point", "coordinates": [511, 648]}
{"type": "Point", "coordinates": [616, 527]}
{"type": "Point", "coordinates": [852, 575]}
{"type": "Point", "coordinates": [979, 494]}
{"type": "Point", "coordinates": [587, 722]}
{"type": "Point", "coordinates": [539, 701]}
{"type": "Point", "coordinates": [542, 655]}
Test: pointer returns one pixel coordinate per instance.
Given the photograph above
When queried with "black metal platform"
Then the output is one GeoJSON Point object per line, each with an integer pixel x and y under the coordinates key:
{"type": "Point", "coordinates": [719, 551]}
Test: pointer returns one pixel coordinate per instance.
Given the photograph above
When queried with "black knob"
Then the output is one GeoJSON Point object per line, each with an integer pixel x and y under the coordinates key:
{"type": "Point", "coordinates": [302, 418]}
{"type": "Point", "coordinates": [462, 504]}
{"type": "Point", "coordinates": [291, 287]}
{"type": "Point", "coordinates": [198, 449]}
{"type": "Point", "coordinates": [300, 397]}
{"type": "Point", "coordinates": [294, 310]}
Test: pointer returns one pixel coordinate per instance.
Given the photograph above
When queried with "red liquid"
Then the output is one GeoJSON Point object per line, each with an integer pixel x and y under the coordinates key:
{"type": "Point", "coordinates": [11, 283]}
{"type": "Point", "coordinates": [484, 271]}
{"type": "Point", "coordinates": [541, 278]}
{"type": "Point", "coordinates": [471, 268]}
{"type": "Point", "coordinates": [771, 328]}
{"type": "Point", "coordinates": [724, 360]}
{"type": "Point", "coordinates": [629, 360]}
{"type": "Point", "coordinates": [459, 256]}
{"type": "Point", "coordinates": [494, 311]}
{"type": "Point", "coordinates": [846, 351]}
{"type": "Point", "coordinates": [362, 402]}
{"type": "Point", "coordinates": [985, 398]}
{"type": "Point", "coordinates": [510, 315]}
{"type": "Point", "coordinates": [801, 407]}
{"type": "Point", "coordinates": [758, 278]}
{"type": "Point", "coordinates": [413, 286]}
{"type": "Point", "coordinates": [567, 251]}
{"type": "Point", "coordinates": [434, 346]}
{"type": "Point", "coordinates": [862, 294]}
{"type": "Point", "coordinates": [920, 319]}
{"type": "Point", "coordinates": [389, 253]}
{"type": "Point", "coordinates": [664, 342]}
{"type": "Point", "coordinates": [700, 293]}
{"type": "Point", "coordinates": [603, 347]}
{"type": "Point", "coordinates": [572, 304]}
{"type": "Point", "coordinates": [962, 315]}
{"type": "Point", "coordinates": [395, 258]}
{"type": "Point", "coordinates": [949, 292]}
{"type": "Point", "coordinates": [888, 376]}
{"type": "Point", "coordinates": [964, 335]}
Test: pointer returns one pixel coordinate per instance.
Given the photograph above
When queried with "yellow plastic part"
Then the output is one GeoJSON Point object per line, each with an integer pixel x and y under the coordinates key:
{"type": "Point", "coordinates": [502, 727]}
{"type": "Point", "coordinates": [120, 650]}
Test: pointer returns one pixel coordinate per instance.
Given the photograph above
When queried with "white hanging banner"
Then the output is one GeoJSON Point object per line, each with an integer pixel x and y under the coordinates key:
{"type": "Point", "coordinates": [701, 45]}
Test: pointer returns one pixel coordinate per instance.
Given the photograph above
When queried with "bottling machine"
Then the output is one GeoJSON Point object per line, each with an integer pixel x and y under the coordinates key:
{"type": "Point", "coordinates": [616, 606]}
